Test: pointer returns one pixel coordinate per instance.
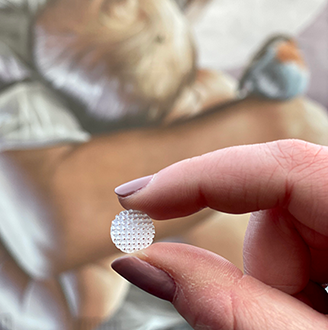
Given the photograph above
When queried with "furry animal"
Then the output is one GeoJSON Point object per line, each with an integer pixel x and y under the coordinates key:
{"type": "Point", "coordinates": [119, 58]}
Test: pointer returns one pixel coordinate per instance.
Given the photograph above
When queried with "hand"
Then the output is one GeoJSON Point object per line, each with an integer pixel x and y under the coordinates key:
{"type": "Point", "coordinates": [80, 191]}
{"type": "Point", "coordinates": [286, 245]}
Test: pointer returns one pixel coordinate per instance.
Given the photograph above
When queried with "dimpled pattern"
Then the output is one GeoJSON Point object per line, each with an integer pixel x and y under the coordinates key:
{"type": "Point", "coordinates": [132, 231]}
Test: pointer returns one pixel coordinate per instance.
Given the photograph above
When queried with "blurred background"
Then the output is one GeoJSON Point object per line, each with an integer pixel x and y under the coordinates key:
{"type": "Point", "coordinates": [94, 93]}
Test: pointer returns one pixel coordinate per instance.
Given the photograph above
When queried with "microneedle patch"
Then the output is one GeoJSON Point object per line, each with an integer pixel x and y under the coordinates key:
{"type": "Point", "coordinates": [132, 231]}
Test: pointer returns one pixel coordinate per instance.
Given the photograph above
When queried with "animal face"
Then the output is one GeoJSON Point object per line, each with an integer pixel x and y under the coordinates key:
{"type": "Point", "coordinates": [119, 57]}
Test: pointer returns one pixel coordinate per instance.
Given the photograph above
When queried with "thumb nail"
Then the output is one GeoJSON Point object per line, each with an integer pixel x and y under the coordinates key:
{"type": "Point", "coordinates": [146, 277]}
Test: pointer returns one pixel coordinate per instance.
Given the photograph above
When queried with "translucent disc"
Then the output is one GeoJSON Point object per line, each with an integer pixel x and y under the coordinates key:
{"type": "Point", "coordinates": [132, 231]}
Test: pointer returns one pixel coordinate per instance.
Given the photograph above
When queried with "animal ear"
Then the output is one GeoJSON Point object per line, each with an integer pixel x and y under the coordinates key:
{"type": "Point", "coordinates": [210, 89]}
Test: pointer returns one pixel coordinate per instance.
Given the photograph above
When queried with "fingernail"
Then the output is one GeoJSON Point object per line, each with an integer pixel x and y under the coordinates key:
{"type": "Point", "coordinates": [131, 187]}
{"type": "Point", "coordinates": [146, 277]}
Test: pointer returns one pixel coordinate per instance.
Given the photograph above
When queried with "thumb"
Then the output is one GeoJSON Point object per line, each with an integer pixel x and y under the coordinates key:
{"type": "Point", "coordinates": [211, 293]}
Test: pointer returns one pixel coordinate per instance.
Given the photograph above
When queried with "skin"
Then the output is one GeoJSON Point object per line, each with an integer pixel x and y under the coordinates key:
{"type": "Point", "coordinates": [73, 183]}
{"type": "Point", "coordinates": [79, 192]}
{"type": "Point", "coordinates": [286, 244]}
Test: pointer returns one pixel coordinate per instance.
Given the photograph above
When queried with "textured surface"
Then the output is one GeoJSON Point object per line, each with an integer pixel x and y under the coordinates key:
{"type": "Point", "coordinates": [132, 231]}
{"type": "Point", "coordinates": [246, 28]}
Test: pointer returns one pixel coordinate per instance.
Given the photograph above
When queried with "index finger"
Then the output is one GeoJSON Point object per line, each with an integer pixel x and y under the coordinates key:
{"type": "Point", "coordinates": [290, 174]}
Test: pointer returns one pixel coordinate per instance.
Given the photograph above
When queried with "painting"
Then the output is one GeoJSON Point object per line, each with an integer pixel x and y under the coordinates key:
{"type": "Point", "coordinates": [95, 93]}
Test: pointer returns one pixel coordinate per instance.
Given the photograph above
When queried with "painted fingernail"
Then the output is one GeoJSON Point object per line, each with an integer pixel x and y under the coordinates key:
{"type": "Point", "coordinates": [131, 187]}
{"type": "Point", "coordinates": [146, 277]}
